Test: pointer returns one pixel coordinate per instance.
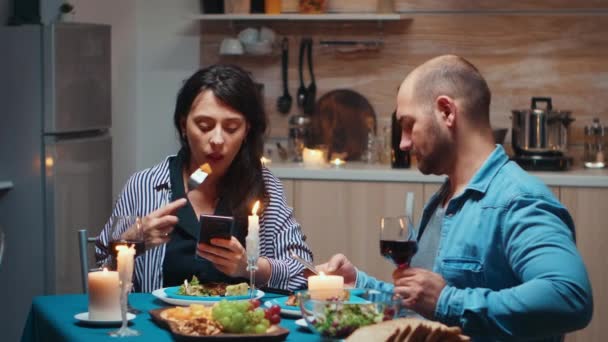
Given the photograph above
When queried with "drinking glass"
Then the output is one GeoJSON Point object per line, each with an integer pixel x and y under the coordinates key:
{"type": "Point", "coordinates": [118, 226]}
{"type": "Point", "coordinates": [398, 240]}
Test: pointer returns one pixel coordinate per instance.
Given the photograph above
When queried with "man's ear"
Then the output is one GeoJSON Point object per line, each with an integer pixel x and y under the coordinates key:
{"type": "Point", "coordinates": [446, 106]}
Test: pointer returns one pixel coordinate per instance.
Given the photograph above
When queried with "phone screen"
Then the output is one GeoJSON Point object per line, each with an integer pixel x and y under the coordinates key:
{"type": "Point", "coordinates": [213, 226]}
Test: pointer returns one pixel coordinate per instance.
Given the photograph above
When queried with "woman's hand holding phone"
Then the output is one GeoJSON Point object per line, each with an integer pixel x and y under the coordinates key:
{"type": "Point", "coordinates": [217, 245]}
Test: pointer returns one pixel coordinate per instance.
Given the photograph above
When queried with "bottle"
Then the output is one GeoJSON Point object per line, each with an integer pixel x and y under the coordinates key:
{"type": "Point", "coordinates": [595, 136]}
{"type": "Point", "coordinates": [369, 152]}
{"type": "Point", "coordinates": [399, 159]}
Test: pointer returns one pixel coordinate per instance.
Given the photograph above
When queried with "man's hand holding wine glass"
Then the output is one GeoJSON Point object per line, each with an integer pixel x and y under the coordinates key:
{"type": "Point", "coordinates": [420, 289]}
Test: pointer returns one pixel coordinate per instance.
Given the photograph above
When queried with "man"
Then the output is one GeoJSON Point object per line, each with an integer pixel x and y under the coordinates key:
{"type": "Point", "coordinates": [497, 254]}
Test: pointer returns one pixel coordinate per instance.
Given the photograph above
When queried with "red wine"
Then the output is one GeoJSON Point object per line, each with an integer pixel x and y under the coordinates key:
{"type": "Point", "coordinates": [140, 247]}
{"type": "Point", "coordinates": [399, 252]}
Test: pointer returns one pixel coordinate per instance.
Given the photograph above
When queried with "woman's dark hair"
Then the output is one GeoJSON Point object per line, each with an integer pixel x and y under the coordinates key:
{"type": "Point", "coordinates": [341, 121]}
{"type": "Point", "coordinates": [243, 183]}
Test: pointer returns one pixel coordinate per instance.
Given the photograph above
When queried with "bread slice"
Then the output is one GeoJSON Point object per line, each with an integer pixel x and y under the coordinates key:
{"type": "Point", "coordinates": [408, 329]}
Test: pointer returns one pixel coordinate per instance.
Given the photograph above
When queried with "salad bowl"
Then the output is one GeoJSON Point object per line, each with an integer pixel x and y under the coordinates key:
{"type": "Point", "coordinates": [338, 318]}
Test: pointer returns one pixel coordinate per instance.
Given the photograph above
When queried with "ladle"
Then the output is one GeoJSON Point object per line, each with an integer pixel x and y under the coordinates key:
{"type": "Point", "coordinates": [284, 101]}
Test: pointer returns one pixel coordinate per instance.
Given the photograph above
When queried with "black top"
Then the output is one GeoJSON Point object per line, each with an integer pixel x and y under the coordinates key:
{"type": "Point", "coordinates": [181, 261]}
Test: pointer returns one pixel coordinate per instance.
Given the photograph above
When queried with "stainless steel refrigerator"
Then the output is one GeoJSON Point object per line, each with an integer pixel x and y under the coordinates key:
{"type": "Point", "coordinates": [56, 149]}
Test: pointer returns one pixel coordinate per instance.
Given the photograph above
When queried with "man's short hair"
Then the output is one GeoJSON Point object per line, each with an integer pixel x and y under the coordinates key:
{"type": "Point", "coordinates": [456, 77]}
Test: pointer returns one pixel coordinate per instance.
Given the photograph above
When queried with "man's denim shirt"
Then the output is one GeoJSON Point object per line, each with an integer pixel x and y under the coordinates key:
{"type": "Point", "coordinates": [508, 256]}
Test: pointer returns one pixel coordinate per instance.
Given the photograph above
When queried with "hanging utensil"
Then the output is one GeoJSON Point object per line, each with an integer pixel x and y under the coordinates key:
{"type": "Point", "coordinates": [301, 95]}
{"type": "Point", "coordinates": [284, 101]}
{"type": "Point", "coordinates": [311, 91]}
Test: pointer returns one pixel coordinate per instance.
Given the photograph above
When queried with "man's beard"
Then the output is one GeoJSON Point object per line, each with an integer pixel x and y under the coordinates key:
{"type": "Point", "coordinates": [437, 158]}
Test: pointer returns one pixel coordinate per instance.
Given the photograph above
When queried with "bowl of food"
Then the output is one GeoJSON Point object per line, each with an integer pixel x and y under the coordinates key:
{"type": "Point", "coordinates": [338, 318]}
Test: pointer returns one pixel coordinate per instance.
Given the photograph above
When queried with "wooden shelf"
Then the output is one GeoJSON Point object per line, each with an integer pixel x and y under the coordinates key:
{"type": "Point", "coordinates": [305, 17]}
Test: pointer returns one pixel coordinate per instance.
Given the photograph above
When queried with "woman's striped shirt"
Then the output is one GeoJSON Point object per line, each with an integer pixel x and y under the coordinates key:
{"type": "Point", "coordinates": [150, 189]}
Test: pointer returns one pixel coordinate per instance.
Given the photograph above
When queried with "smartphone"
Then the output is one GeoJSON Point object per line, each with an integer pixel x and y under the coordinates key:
{"type": "Point", "coordinates": [213, 226]}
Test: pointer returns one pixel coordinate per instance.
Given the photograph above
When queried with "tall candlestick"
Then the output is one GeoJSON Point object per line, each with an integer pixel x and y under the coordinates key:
{"type": "Point", "coordinates": [125, 264]}
{"type": "Point", "coordinates": [323, 287]}
{"type": "Point", "coordinates": [125, 273]}
{"type": "Point", "coordinates": [253, 234]}
{"type": "Point", "coordinates": [104, 296]}
{"type": "Point", "coordinates": [252, 244]}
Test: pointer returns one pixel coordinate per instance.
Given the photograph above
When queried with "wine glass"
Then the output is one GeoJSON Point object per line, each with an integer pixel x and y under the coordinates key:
{"type": "Point", "coordinates": [398, 240]}
{"type": "Point", "coordinates": [120, 237]}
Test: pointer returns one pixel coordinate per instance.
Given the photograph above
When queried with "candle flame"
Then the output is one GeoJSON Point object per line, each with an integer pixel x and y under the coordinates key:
{"type": "Point", "coordinates": [322, 274]}
{"type": "Point", "coordinates": [105, 270]}
{"type": "Point", "coordinates": [256, 206]}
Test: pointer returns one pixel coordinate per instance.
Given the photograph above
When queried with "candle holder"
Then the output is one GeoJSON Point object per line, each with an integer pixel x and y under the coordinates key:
{"type": "Point", "coordinates": [252, 266]}
{"type": "Point", "coordinates": [124, 330]}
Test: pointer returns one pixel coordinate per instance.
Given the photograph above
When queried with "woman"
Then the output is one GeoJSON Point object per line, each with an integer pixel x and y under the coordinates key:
{"type": "Point", "coordinates": [220, 121]}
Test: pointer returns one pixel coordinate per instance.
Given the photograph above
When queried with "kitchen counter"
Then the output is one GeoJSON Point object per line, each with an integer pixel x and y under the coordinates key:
{"type": "Point", "coordinates": [358, 171]}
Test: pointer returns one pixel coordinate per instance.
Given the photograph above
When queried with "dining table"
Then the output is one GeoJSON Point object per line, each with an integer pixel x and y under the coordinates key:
{"type": "Point", "coordinates": [51, 318]}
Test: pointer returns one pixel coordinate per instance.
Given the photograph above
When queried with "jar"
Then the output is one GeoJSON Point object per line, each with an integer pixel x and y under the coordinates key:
{"type": "Point", "coordinates": [595, 145]}
{"type": "Point", "coordinates": [312, 6]}
{"type": "Point", "coordinates": [298, 135]}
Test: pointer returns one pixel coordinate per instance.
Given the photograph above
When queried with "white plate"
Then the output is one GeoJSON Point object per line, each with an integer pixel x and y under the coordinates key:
{"type": "Point", "coordinates": [160, 294]}
{"type": "Point", "coordinates": [301, 323]}
{"type": "Point", "coordinates": [84, 318]}
{"type": "Point", "coordinates": [287, 312]}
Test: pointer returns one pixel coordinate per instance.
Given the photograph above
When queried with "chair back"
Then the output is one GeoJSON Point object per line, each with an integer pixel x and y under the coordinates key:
{"type": "Point", "coordinates": [83, 241]}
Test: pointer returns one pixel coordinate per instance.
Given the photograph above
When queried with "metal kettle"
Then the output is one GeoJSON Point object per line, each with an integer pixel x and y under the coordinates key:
{"type": "Point", "coordinates": [540, 131]}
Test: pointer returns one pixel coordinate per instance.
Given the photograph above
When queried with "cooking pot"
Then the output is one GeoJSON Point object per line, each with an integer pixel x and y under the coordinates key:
{"type": "Point", "coordinates": [540, 131]}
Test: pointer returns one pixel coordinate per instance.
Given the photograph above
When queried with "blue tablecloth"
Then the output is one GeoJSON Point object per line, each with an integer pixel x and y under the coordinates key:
{"type": "Point", "coordinates": [51, 318]}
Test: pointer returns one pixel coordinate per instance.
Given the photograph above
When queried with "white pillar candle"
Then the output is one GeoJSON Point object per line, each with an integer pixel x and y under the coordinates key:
{"type": "Point", "coordinates": [104, 295]}
{"type": "Point", "coordinates": [313, 158]}
{"type": "Point", "coordinates": [324, 287]}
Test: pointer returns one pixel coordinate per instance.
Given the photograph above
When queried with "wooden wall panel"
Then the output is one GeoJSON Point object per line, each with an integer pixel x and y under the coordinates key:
{"type": "Point", "coordinates": [521, 55]}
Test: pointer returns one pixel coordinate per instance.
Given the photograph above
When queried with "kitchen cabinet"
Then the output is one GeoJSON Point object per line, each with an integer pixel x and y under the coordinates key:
{"type": "Point", "coordinates": [288, 189]}
{"type": "Point", "coordinates": [588, 207]}
{"type": "Point", "coordinates": [344, 217]}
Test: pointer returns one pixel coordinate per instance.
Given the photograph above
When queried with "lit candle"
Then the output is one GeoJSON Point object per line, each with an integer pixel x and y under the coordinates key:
{"type": "Point", "coordinates": [266, 161]}
{"type": "Point", "coordinates": [104, 296]}
{"type": "Point", "coordinates": [125, 264]}
{"type": "Point", "coordinates": [253, 231]}
{"type": "Point", "coordinates": [313, 158]}
{"type": "Point", "coordinates": [324, 287]}
{"type": "Point", "coordinates": [337, 162]}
